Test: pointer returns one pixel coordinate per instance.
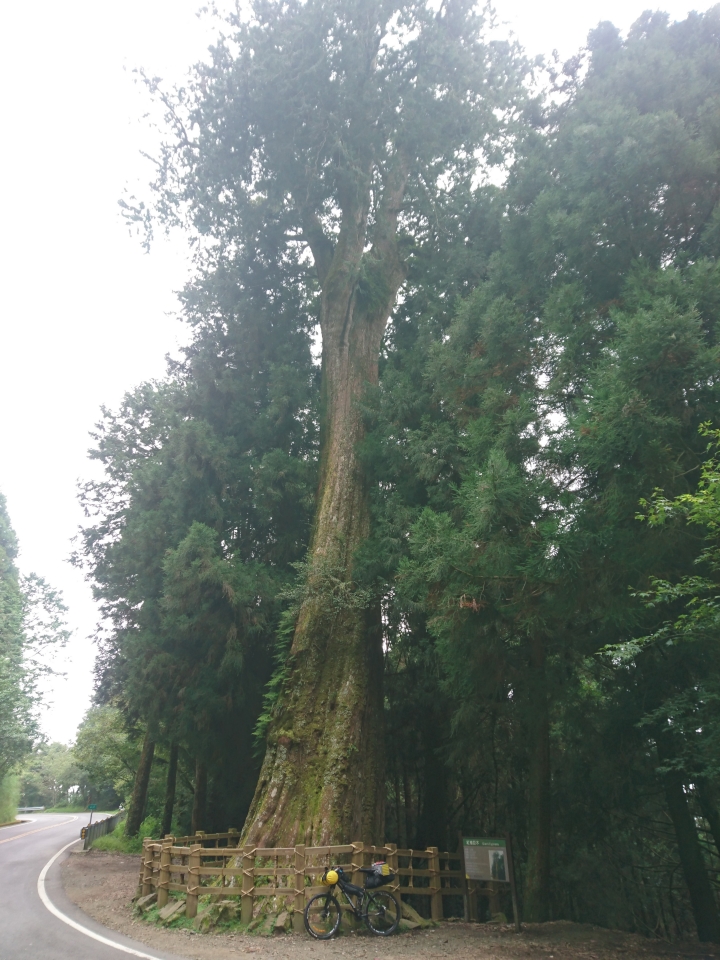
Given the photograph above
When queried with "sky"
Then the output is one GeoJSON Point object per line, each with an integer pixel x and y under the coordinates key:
{"type": "Point", "coordinates": [86, 314]}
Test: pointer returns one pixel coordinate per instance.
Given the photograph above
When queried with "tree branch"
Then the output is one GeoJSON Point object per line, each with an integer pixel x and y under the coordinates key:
{"type": "Point", "coordinates": [321, 246]}
{"type": "Point", "coordinates": [395, 180]}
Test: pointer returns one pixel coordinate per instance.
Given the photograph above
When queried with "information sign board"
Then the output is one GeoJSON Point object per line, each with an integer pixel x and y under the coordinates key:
{"type": "Point", "coordinates": [486, 859]}
{"type": "Point", "coordinates": [92, 806]}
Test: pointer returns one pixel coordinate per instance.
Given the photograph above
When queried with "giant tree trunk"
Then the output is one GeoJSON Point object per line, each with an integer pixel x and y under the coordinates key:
{"type": "Point", "coordinates": [702, 896]}
{"type": "Point", "coordinates": [140, 788]}
{"type": "Point", "coordinates": [170, 790]}
{"type": "Point", "coordinates": [322, 780]}
{"type": "Point", "coordinates": [537, 884]}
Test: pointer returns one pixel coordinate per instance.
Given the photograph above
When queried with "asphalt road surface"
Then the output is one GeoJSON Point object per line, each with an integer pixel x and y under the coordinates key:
{"type": "Point", "coordinates": [37, 921]}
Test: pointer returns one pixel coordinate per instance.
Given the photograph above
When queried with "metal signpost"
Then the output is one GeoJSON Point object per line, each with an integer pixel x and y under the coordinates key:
{"type": "Point", "coordinates": [489, 859]}
{"type": "Point", "coordinates": [91, 807]}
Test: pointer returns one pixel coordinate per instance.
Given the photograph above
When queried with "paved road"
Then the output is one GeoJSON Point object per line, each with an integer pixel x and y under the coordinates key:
{"type": "Point", "coordinates": [28, 930]}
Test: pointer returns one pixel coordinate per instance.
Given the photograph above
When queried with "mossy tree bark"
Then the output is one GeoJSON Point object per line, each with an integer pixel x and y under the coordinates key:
{"type": "Point", "coordinates": [322, 779]}
{"type": "Point", "coordinates": [537, 884]}
{"type": "Point", "coordinates": [140, 787]}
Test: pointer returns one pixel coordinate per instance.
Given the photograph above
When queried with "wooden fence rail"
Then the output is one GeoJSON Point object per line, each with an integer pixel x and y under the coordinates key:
{"type": "Point", "coordinates": [216, 865]}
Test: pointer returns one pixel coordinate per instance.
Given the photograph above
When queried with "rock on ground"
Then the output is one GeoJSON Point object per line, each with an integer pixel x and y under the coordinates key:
{"type": "Point", "coordinates": [103, 885]}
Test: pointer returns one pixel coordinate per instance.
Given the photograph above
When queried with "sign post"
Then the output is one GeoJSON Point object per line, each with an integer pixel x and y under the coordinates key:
{"type": "Point", "coordinates": [489, 859]}
{"type": "Point", "coordinates": [91, 807]}
{"type": "Point", "coordinates": [464, 878]}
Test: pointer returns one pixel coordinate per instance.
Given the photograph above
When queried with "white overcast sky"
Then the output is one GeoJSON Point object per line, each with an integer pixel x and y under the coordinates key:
{"type": "Point", "coordinates": [85, 314]}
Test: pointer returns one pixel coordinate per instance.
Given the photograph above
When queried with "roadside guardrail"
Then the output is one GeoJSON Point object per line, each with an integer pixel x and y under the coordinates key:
{"type": "Point", "coordinates": [100, 828]}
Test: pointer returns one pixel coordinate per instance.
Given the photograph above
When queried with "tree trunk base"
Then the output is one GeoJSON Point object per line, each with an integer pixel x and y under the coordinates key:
{"type": "Point", "coordinates": [322, 780]}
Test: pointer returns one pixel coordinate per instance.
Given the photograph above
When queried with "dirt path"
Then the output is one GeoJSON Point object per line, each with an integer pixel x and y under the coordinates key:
{"type": "Point", "coordinates": [102, 884]}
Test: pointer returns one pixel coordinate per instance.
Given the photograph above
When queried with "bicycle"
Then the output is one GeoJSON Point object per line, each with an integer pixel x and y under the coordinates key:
{"type": "Point", "coordinates": [323, 912]}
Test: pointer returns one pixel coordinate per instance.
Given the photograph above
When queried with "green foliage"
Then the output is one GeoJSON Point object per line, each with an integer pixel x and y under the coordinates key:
{"type": "Point", "coordinates": [31, 621]}
{"type": "Point", "coordinates": [18, 725]}
{"type": "Point", "coordinates": [106, 754]}
{"type": "Point", "coordinates": [9, 797]}
{"type": "Point", "coordinates": [117, 842]}
{"type": "Point", "coordinates": [281, 672]}
{"type": "Point", "coordinates": [512, 440]}
{"type": "Point", "coordinates": [205, 503]}
{"type": "Point", "coordinates": [51, 777]}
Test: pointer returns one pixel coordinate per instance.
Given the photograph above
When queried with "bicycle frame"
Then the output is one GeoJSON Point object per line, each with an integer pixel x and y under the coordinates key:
{"type": "Point", "coordinates": [361, 897]}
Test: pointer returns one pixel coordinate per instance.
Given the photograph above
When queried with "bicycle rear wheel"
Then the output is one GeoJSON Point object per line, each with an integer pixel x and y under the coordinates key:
{"type": "Point", "coordinates": [322, 916]}
{"type": "Point", "coordinates": [383, 912]}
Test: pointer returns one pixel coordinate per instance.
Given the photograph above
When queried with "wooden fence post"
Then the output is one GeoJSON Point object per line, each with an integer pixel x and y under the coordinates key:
{"type": "Point", "coordinates": [299, 902]}
{"type": "Point", "coordinates": [141, 878]}
{"type": "Point", "coordinates": [193, 881]}
{"type": "Point", "coordinates": [392, 862]}
{"type": "Point", "coordinates": [357, 859]}
{"type": "Point", "coordinates": [248, 883]}
{"type": "Point", "coordinates": [436, 905]}
{"type": "Point", "coordinates": [147, 867]}
{"type": "Point", "coordinates": [164, 876]}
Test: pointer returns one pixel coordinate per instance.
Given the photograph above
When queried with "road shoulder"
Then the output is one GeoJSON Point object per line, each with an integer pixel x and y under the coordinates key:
{"type": "Point", "coordinates": [103, 884]}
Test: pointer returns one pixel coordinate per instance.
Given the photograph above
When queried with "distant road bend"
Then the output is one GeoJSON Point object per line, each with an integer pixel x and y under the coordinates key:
{"type": "Point", "coordinates": [37, 921]}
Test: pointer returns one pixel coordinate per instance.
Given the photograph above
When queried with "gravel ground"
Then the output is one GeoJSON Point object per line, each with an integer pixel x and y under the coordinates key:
{"type": "Point", "coordinates": [103, 884]}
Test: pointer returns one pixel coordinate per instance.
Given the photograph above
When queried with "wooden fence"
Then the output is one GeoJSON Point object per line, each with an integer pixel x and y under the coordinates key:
{"type": "Point", "coordinates": [216, 865]}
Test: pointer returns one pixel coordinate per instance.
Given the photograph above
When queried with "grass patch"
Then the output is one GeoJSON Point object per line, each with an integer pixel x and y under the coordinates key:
{"type": "Point", "coordinates": [117, 842]}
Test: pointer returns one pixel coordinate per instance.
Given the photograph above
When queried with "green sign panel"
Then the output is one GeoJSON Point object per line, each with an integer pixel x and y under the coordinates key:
{"type": "Point", "coordinates": [486, 859]}
{"type": "Point", "coordinates": [92, 806]}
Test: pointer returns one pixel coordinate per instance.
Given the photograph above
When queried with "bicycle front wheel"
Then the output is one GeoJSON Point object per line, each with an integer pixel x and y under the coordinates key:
{"type": "Point", "coordinates": [383, 913]}
{"type": "Point", "coordinates": [322, 916]}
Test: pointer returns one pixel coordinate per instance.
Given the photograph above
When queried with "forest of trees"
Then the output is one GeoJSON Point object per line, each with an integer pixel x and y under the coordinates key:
{"type": "Point", "coordinates": [420, 534]}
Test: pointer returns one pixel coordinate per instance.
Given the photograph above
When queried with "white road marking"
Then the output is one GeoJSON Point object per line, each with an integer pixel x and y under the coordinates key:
{"type": "Point", "coordinates": [77, 926]}
{"type": "Point", "coordinates": [28, 832]}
